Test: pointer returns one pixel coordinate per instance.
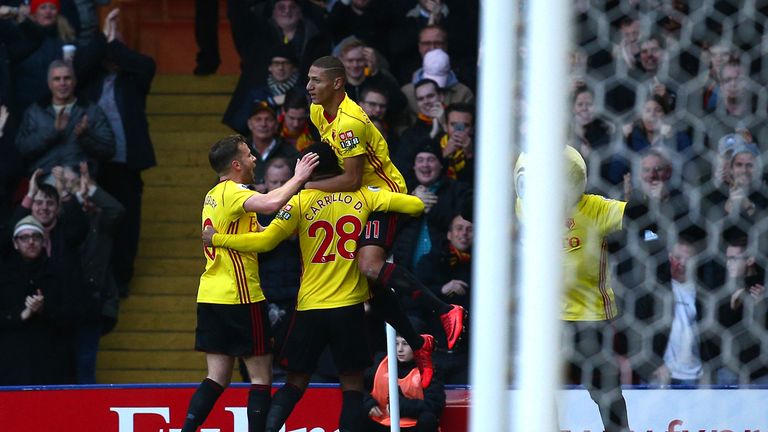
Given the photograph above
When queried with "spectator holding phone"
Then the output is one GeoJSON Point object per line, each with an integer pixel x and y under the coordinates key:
{"type": "Point", "coordinates": [458, 143]}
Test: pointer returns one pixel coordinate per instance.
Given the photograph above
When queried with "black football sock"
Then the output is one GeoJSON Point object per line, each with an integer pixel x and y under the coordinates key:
{"type": "Point", "coordinates": [405, 283]}
{"type": "Point", "coordinates": [385, 303]}
{"type": "Point", "coordinates": [351, 411]}
{"type": "Point", "coordinates": [282, 404]}
{"type": "Point", "coordinates": [258, 406]}
{"type": "Point", "coordinates": [201, 404]}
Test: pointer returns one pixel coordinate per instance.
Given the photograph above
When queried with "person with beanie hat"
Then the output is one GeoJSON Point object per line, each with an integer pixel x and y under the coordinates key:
{"type": "Point", "coordinates": [436, 65]}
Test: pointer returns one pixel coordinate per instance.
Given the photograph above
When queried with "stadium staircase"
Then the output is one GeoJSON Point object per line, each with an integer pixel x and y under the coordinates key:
{"type": "Point", "coordinates": [154, 338]}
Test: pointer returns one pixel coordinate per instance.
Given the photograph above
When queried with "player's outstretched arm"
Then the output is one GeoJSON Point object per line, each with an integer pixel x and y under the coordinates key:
{"type": "Point", "coordinates": [349, 181]}
{"type": "Point", "coordinates": [403, 203]}
{"type": "Point", "coordinates": [272, 201]}
{"type": "Point", "coordinates": [258, 242]}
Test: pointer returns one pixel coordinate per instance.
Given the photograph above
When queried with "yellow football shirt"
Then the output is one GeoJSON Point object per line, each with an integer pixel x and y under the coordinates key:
{"type": "Point", "coordinates": [588, 294]}
{"type": "Point", "coordinates": [350, 133]}
{"type": "Point", "coordinates": [230, 277]}
{"type": "Point", "coordinates": [328, 225]}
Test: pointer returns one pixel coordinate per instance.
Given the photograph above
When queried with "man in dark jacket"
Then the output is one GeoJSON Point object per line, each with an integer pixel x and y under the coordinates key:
{"type": "Point", "coordinates": [120, 88]}
{"type": "Point", "coordinates": [64, 130]}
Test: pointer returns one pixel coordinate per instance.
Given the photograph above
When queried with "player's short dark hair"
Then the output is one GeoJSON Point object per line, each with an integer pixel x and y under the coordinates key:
{"type": "Point", "coordinates": [332, 66]}
{"type": "Point", "coordinates": [461, 107]}
{"type": "Point", "coordinates": [328, 163]}
{"type": "Point", "coordinates": [425, 81]}
{"type": "Point", "coordinates": [224, 152]}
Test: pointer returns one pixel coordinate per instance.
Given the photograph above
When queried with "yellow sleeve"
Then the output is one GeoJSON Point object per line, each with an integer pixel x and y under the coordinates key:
{"type": "Point", "coordinates": [281, 227]}
{"type": "Point", "coordinates": [235, 196]}
{"type": "Point", "coordinates": [611, 216]}
{"type": "Point", "coordinates": [387, 201]}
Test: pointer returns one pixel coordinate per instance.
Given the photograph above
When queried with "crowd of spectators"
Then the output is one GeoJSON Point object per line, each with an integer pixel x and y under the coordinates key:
{"type": "Point", "coordinates": [75, 138]}
{"type": "Point", "coordinates": [669, 113]}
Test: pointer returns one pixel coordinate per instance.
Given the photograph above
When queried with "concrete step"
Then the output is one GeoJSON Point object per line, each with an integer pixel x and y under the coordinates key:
{"type": "Point", "coordinates": [165, 195]}
{"type": "Point", "coordinates": [179, 248]}
{"type": "Point", "coordinates": [138, 376]}
{"type": "Point", "coordinates": [152, 229]}
{"type": "Point", "coordinates": [169, 266]}
{"type": "Point", "coordinates": [187, 104]}
{"type": "Point", "coordinates": [216, 84]}
{"type": "Point", "coordinates": [155, 340]}
{"type": "Point", "coordinates": [187, 360]}
{"type": "Point", "coordinates": [149, 321]}
{"type": "Point", "coordinates": [175, 285]}
{"type": "Point", "coordinates": [192, 177]}
{"type": "Point", "coordinates": [187, 123]}
{"type": "Point", "coordinates": [187, 141]}
{"type": "Point", "coordinates": [159, 303]}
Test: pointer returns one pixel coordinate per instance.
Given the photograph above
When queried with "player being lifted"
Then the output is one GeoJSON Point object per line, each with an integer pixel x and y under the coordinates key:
{"type": "Point", "coordinates": [329, 309]}
{"type": "Point", "coordinates": [364, 157]}
{"type": "Point", "coordinates": [231, 309]}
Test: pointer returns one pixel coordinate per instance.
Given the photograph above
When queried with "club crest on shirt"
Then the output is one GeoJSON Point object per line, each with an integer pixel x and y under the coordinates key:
{"type": "Point", "coordinates": [284, 213]}
{"type": "Point", "coordinates": [348, 140]}
{"type": "Point", "coordinates": [570, 223]}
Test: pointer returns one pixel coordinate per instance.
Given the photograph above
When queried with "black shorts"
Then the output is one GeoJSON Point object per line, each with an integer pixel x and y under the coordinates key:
{"type": "Point", "coordinates": [239, 330]}
{"type": "Point", "coordinates": [343, 329]}
{"type": "Point", "coordinates": [380, 230]}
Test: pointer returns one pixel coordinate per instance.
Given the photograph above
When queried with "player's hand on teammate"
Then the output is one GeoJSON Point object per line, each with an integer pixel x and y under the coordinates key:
{"type": "Point", "coordinates": [207, 235]}
{"type": "Point", "coordinates": [455, 288]}
{"type": "Point", "coordinates": [305, 166]}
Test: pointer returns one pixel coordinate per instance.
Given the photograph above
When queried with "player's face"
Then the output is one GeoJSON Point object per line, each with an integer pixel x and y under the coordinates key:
{"type": "Point", "coordinates": [276, 177]}
{"type": "Point", "coordinates": [44, 208]}
{"type": "Point", "coordinates": [374, 104]}
{"type": "Point", "coordinates": [320, 87]}
{"type": "Point", "coordinates": [650, 55]}
{"type": "Point", "coordinates": [427, 168]}
{"type": "Point", "coordinates": [652, 115]}
{"type": "Point", "coordinates": [461, 234]}
{"type": "Point", "coordinates": [736, 261]}
{"type": "Point", "coordinates": [743, 169]}
{"type": "Point", "coordinates": [404, 351]}
{"type": "Point", "coordinates": [263, 125]}
{"type": "Point", "coordinates": [281, 69]}
{"type": "Point", "coordinates": [29, 243]}
{"type": "Point", "coordinates": [583, 108]}
{"type": "Point", "coordinates": [354, 63]}
{"type": "Point", "coordinates": [295, 119]}
{"type": "Point", "coordinates": [247, 163]}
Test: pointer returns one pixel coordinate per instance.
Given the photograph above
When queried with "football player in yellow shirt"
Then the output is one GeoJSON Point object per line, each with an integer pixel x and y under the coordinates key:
{"type": "Point", "coordinates": [329, 309]}
{"type": "Point", "coordinates": [231, 311]}
{"type": "Point", "coordinates": [589, 304]}
{"type": "Point", "coordinates": [364, 156]}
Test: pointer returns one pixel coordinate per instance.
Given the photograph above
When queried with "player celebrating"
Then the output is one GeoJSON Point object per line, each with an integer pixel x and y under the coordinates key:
{"type": "Point", "coordinates": [329, 309]}
{"type": "Point", "coordinates": [589, 304]}
{"type": "Point", "coordinates": [364, 156]}
{"type": "Point", "coordinates": [231, 311]}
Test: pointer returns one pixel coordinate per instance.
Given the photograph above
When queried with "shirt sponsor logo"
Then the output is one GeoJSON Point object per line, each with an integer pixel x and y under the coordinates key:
{"type": "Point", "coordinates": [348, 140]}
